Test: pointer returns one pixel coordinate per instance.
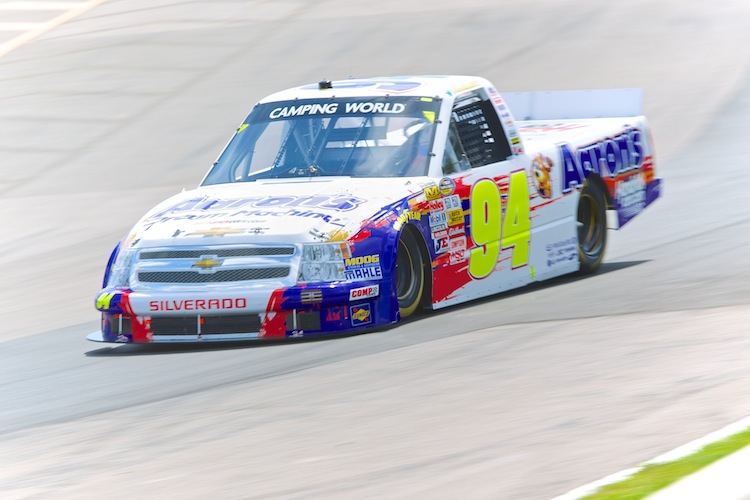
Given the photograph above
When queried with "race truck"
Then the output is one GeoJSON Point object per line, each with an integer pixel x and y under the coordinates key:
{"type": "Point", "coordinates": [346, 206]}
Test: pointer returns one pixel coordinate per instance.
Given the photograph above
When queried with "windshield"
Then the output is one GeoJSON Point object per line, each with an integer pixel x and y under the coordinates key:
{"type": "Point", "coordinates": [358, 137]}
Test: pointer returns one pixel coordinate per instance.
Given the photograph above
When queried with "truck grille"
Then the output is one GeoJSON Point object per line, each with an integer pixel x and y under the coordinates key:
{"type": "Point", "coordinates": [188, 325]}
{"type": "Point", "coordinates": [221, 276]}
{"type": "Point", "coordinates": [215, 265]}
{"type": "Point", "coordinates": [221, 253]}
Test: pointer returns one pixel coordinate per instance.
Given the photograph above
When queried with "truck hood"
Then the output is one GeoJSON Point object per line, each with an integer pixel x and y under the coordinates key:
{"type": "Point", "coordinates": [270, 211]}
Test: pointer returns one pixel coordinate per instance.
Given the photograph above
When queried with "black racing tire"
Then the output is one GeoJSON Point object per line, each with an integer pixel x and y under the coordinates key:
{"type": "Point", "coordinates": [410, 273]}
{"type": "Point", "coordinates": [592, 227]}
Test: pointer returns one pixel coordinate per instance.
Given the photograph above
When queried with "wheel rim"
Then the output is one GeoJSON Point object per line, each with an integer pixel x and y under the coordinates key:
{"type": "Point", "coordinates": [590, 226]}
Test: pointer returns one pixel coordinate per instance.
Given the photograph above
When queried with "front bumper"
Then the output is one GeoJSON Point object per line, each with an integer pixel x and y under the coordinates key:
{"type": "Point", "coordinates": [311, 310]}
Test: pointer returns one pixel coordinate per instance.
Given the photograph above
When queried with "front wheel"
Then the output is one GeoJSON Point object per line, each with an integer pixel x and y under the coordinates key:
{"type": "Point", "coordinates": [410, 277]}
{"type": "Point", "coordinates": [592, 227]}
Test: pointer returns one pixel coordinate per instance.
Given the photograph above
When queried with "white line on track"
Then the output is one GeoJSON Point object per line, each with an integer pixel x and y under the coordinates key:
{"type": "Point", "coordinates": [31, 31]}
{"type": "Point", "coordinates": [670, 456]}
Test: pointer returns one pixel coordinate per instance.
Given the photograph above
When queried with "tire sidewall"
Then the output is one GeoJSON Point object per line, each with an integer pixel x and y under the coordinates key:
{"type": "Point", "coordinates": [408, 242]}
{"type": "Point", "coordinates": [590, 261]}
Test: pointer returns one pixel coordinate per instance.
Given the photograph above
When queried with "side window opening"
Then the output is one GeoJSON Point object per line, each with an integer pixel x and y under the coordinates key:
{"type": "Point", "coordinates": [479, 130]}
{"type": "Point", "coordinates": [454, 157]}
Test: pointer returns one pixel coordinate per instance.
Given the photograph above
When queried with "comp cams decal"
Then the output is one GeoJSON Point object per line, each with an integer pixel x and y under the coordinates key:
{"type": "Point", "coordinates": [365, 292]}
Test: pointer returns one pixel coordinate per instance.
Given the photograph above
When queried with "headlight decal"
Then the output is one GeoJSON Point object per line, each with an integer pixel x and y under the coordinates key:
{"type": "Point", "coordinates": [120, 273]}
{"type": "Point", "coordinates": [323, 262]}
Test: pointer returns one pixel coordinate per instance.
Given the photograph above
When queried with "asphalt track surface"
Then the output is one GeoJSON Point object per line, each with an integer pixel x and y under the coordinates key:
{"type": "Point", "coordinates": [524, 395]}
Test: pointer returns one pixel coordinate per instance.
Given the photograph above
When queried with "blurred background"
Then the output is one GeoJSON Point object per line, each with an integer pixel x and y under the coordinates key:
{"type": "Point", "coordinates": [109, 106]}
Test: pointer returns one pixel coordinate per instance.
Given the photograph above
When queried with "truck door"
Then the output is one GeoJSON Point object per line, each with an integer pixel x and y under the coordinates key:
{"type": "Point", "coordinates": [489, 244]}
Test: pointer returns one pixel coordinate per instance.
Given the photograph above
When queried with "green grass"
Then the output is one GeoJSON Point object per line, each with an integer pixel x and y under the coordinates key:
{"type": "Point", "coordinates": [655, 477]}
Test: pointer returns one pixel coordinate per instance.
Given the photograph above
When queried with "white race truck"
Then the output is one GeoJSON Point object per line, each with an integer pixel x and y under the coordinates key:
{"type": "Point", "coordinates": [345, 206]}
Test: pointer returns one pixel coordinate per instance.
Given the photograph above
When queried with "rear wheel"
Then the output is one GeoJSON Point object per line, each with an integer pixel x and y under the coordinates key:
{"type": "Point", "coordinates": [410, 276]}
{"type": "Point", "coordinates": [592, 227]}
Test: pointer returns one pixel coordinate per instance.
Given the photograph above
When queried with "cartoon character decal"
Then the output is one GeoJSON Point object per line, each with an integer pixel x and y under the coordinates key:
{"type": "Point", "coordinates": [542, 168]}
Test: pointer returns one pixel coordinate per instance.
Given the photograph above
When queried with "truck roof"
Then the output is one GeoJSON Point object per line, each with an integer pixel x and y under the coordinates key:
{"type": "Point", "coordinates": [425, 85]}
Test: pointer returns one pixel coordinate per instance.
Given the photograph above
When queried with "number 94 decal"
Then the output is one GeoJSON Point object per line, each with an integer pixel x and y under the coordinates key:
{"type": "Point", "coordinates": [493, 229]}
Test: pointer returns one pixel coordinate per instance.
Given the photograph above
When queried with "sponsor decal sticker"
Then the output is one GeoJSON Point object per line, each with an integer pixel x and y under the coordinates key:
{"type": "Point", "coordinates": [364, 273]}
{"type": "Point", "coordinates": [608, 158]}
{"type": "Point", "coordinates": [541, 167]}
{"type": "Point", "coordinates": [442, 244]}
{"type": "Point", "coordinates": [434, 205]}
{"type": "Point", "coordinates": [438, 221]}
{"type": "Point", "coordinates": [360, 315]}
{"type": "Point", "coordinates": [304, 109]}
{"type": "Point", "coordinates": [453, 203]}
{"type": "Point", "coordinates": [335, 313]}
{"type": "Point", "coordinates": [455, 217]}
{"type": "Point", "coordinates": [457, 231]}
{"type": "Point", "coordinates": [363, 259]}
{"type": "Point", "coordinates": [458, 244]}
{"type": "Point", "coordinates": [333, 107]}
{"type": "Point", "coordinates": [562, 251]}
{"type": "Point", "coordinates": [495, 95]}
{"type": "Point", "coordinates": [365, 292]}
{"type": "Point", "coordinates": [375, 107]}
{"type": "Point", "coordinates": [458, 257]}
{"type": "Point", "coordinates": [432, 192]}
{"type": "Point", "coordinates": [406, 216]}
{"type": "Point", "coordinates": [630, 194]}
{"type": "Point", "coordinates": [233, 207]}
{"type": "Point", "coordinates": [363, 267]}
{"type": "Point", "coordinates": [447, 186]}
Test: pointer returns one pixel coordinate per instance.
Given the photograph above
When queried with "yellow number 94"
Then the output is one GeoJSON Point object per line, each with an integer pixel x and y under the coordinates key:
{"type": "Point", "coordinates": [488, 229]}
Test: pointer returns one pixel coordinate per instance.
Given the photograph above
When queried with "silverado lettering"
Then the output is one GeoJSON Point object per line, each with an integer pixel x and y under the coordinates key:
{"type": "Point", "coordinates": [197, 304]}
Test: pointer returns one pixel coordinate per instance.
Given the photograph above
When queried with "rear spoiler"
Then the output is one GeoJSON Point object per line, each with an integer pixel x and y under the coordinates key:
{"type": "Point", "coordinates": [561, 104]}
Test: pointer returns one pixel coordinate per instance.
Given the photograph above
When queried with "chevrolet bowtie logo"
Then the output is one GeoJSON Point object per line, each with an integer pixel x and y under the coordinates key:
{"type": "Point", "coordinates": [207, 263]}
{"type": "Point", "coordinates": [219, 231]}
